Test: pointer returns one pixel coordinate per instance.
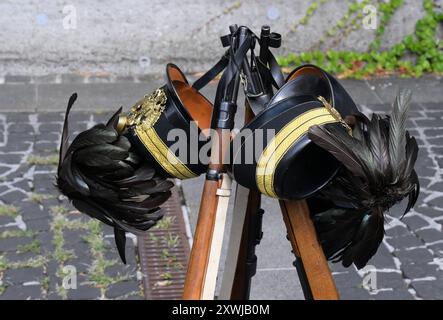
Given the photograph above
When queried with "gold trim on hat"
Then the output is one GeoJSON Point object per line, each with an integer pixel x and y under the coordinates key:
{"type": "Point", "coordinates": [282, 142]}
{"type": "Point", "coordinates": [162, 154]}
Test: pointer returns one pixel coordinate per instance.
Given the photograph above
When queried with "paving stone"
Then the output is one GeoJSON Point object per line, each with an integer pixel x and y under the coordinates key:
{"type": "Point", "coordinates": [14, 197]}
{"type": "Point", "coordinates": [17, 146]}
{"type": "Point", "coordinates": [430, 123]}
{"type": "Point", "coordinates": [50, 127]}
{"type": "Point", "coordinates": [46, 239]}
{"type": "Point", "coordinates": [17, 79]}
{"type": "Point", "coordinates": [80, 263]}
{"type": "Point", "coordinates": [10, 244]}
{"type": "Point", "coordinates": [5, 220]}
{"type": "Point", "coordinates": [50, 202]}
{"type": "Point", "coordinates": [46, 146]}
{"type": "Point", "coordinates": [38, 225]}
{"type": "Point", "coordinates": [120, 269]}
{"type": "Point", "coordinates": [414, 255]}
{"type": "Point", "coordinates": [429, 212]}
{"type": "Point", "coordinates": [121, 288]}
{"type": "Point", "coordinates": [20, 128]}
{"type": "Point", "coordinates": [407, 241]}
{"type": "Point", "coordinates": [84, 293]}
{"type": "Point", "coordinates": [13, 256]}
{"type": "Point", "coordinates": [425, 171]}
{"type": "Point", "coordinates": [430, 235]}
{"type": "Point", "coordinates": [355, 294]}
{"type": "Point", "coordinates": [10, 158]}
{"type": "Point", "coordinates": [429, 289]}
{"type": "Point", "coordinates": [45, 117]}
{"type": "Point", "coordinates": [23, 185]}
{"type": "Point", "coordinates": [394, 295]}
{"type": "Point", "coordinates": [418, 270]}
{"type": "Point", "coordinates": [21, 293]}
{"type": "Point", "coordinates": [437, 249]}
{"type": "Point", "coordinates": [390, 280]}
{"type": "Point", "coordinates": [382, 259]}
{"type": "Point", "coordinates": [30, 210]}
{"type": "Point", "coordinates": [397, 231]}
{"type": "Point", "coordinates": [16, 97]}
{"type": "Point", "coordinates": [414, 222]}
{"type": "Point", "coordinates": [438, 202]}
{"type": "Point", "coordinates": [19, 276]}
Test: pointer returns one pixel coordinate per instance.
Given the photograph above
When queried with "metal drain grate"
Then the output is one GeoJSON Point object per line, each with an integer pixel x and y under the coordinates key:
{"type": "Point", "coordinates": [164, 253]}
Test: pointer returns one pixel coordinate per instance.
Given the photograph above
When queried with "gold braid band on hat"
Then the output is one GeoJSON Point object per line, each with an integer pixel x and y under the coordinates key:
{"type": "Point", "coordinates": [282, 142]}
{"type": "Point", "coordinates": [161, 153]}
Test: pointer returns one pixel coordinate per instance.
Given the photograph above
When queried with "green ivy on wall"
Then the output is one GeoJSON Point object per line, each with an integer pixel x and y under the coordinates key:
{"type": "Point", "coordinates": [423, 46]}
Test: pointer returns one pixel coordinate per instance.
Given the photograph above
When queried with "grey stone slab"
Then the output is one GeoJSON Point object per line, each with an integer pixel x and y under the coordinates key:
{"type": "Point", "coordinates": [276, 284]}
{"type": "Point", "coordinates": [391, 280]}
{"type": "Point", "coordinates": [14, 197]}
{"type": "Point", "coordinates": [50, 127]}
{"type": "Point", "coordinates": [382, 259]}
{"type": "Point", "coordinates": [414, 256]}
{"type": "Point", "coordinates": [425, 90]}
{"type": "Point", "coordinates": [432, 290]}
{"type": "Point", "coordinates": [430, 235]}
{"type": "Point", "coordinates": [397, 231]}
{"type": "Point", "coordinates": [360, 92]}
{"type": "Point", "coordinates": [84, 293]}
{"type": "Point", "coordinates": [429, 211]}
{"type": "Point", "coordinates": [30, 211]}
{"type": "Point", "coordinates": [350, 286]}
{"type": "Point", "coordinates": [15, 97]}
{"type": "Point", "coordinates": [92, 96]}
{"type": "Point", "coordinates": [38, 225]}
{"type": "Point", "coordinates": [19, 276]}
{"type": "Point", "coordinates": [418, 270]}
{"type": "Point", "coordinates": [393, 295]}
{"type": "Point", "coordinates": [121, 288]}
{"type": "Point", "coordinates": [274, 236]}
{"type": "Point", "coordinates": [21, 293]}
{"type": "Point", "coordinates": [13, 256]}
{"type": "Point", "coordinates": [17, 79]}
{"type": "Point", "coordinates": [51, 117]}
{"type": "Point", "coordinates": [10, 244]}
{"type": "Point", "coordinates": [406, 241]}
{"type": "Point", "coordinates": [355, 294]}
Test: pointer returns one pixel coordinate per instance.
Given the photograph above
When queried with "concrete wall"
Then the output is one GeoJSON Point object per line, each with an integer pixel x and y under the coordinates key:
{"type": "Point", "coordinates": [138, 37]}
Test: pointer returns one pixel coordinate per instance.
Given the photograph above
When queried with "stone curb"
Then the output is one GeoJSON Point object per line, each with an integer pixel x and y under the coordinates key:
{"type": "Point", "coordinates": [104, 93]}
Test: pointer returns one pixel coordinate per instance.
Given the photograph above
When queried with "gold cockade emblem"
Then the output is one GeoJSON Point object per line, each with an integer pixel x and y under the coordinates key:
{"type": "Point", "coordinates": [147, 111]}
{"type": "Point", "coordinates": [337, 116]}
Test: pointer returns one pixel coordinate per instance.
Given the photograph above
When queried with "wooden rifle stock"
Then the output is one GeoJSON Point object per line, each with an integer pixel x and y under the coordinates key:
{"type": "Point", "coordinates": [198, 260]}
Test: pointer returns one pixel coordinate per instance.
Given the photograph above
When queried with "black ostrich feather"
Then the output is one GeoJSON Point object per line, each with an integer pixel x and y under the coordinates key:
{"type": "Point", "coordinates": [377, 172]}
{"type": "Point", "coordinates": [104, 178]}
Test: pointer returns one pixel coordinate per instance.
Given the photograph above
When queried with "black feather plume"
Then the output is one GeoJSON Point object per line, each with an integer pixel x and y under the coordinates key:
{"type": "Point", "coordinates": [104, 178]}
{"type": "Point", "coordinates": [377, 172]}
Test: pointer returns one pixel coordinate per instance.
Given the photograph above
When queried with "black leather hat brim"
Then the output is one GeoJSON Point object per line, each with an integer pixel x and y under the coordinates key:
{"type": "Point", "coordinates": [318, 83]}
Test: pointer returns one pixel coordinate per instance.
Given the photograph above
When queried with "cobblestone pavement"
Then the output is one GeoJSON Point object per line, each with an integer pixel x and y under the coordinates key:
{"type": "Point", "coordinates": [40, 233]}
{"type": "Point", "coordinates": [41, 236]}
